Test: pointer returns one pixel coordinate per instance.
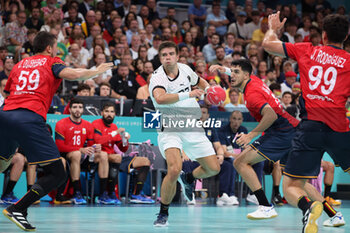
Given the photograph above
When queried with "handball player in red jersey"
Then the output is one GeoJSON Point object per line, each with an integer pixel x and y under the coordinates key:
{"type": "Point", "coordinates": [278, 127]}
{"type": "Point", "coordinates": [30, 88]}
{"type": "Point", "coordinates": [325, 86]}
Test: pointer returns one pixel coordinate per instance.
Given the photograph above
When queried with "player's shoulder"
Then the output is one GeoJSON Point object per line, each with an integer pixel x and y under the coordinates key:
{"type": "Point", "coordinates": [85, 122]}
{"type": "Point", "coordinates": [184, 67]}
{"type": "Point", "coordinates": [57, 60]}
{"type": "Point", "coordinates": [158, 75]}
{"type": "Point", "coordinates": [96, 122]}
{"type": "Point", "coordinates": [63, 122]}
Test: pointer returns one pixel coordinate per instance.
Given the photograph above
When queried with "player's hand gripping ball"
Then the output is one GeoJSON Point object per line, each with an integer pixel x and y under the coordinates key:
{"type": "Point", "coordinates": [216, 95]}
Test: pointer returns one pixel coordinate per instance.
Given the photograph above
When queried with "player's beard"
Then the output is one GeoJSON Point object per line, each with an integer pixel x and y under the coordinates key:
{"type": "Point", "coordinates": [77, 115]}
{"type": "Point", "coordinates": [109, 120]}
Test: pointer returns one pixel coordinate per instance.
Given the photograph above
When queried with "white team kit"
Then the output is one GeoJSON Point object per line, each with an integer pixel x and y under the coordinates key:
{"type": "Point", "coordinates": [195, 144]}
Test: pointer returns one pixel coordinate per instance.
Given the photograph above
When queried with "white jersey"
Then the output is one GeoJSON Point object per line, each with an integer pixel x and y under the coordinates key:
{"type": "Point", "coordinates": [182, 83]}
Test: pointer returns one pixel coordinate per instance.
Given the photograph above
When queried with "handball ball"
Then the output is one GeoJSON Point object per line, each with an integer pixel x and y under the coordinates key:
{"type": "Point", "coordinates": [216, 95]}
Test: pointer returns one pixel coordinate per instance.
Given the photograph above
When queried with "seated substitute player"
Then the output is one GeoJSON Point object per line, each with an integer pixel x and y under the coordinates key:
{"type": "Point", "coordinates": [71, 135]}
{"type": "Point", "coordinates": [227, 135]}
{"type": "Point", "coordinates": [324, 127]}
{"type": "Point", "coordinates": [108, 134]}
{"type": "Point", "coordinates": [31, 86]}
{"type": "Point", "coordinates": [226, 175]}
{"type": "Point", "coordinates": [278, 127]}
{"type": "Point", "coordinates": [170, 90]}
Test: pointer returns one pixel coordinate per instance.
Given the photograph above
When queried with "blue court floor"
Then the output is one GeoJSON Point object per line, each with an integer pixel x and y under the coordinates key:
{"type": "Point", "coordinates": [139, 219]}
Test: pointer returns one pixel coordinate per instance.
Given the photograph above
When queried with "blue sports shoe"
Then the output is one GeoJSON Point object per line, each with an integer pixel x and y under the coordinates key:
{"type": "Point", "coordinates": [9, 198]}
{"type": "Point", "coordinates": [115, 199]}
{"type": "Point", "coordinates": [161, 221]}
{"type": "Point", "coordinates": [78, 199]}
{"type": "Point", "coordinates": [105, 200]}
{"type": "Point", "coordinates": [187, 188]}
{"type": "Point", "coordinates": [141, 199]}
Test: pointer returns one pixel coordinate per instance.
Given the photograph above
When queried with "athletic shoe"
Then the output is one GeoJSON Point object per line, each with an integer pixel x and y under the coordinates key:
{"type": "Point", "coordinates": [161, 221]}
{"type": "Point", "coordinates": [311, 216]}
{"type": "Point", "coordinates": [141, 199]}
{"type": "Point", "coordinates": [284, 200]}
{"type": "Point", "coordinates": [252, 199]}
{"type": "Point", "coordinates": [78, 199]}
{"type": "Point", "coordinates": [224, 200]}
{"type": "Point", "coordinates": [62, 200]}
{"type": "Point", "coordinates": [193, 202]}
{"type": "Point", "coordinates": [332, 201]}
{"type": "Point", "coordinates": [234, 200]}
{"type": "Point", "coordinates": [38, 202]}
{"type": "Point", "coordinates": [263, 212]}
{"type": "Point", "coordinates": [115, 199]}
{"type": "Point", "coordinates": [277, 200]}
{"type": "Point", "coordinates": [19, 218]}
{"type": "Point", "coordinates": [336, 221]}
{"type": "Point", "coordinates": [105, 200]}
{"type": "Point", "coordinates": [187, 188]}
{"type": "Point", "coordinates": [9, 198]}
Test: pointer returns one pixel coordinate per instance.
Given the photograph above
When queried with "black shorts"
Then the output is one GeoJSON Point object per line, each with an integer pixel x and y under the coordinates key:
{"type": "Point", "coordinates": [28, 130]}
{"type": "Point", "coordinates": [311, 141]}
{"type": "Point", "coordinates": [275, 144]}
{"type": "Point", "coordinates": [126, 163]}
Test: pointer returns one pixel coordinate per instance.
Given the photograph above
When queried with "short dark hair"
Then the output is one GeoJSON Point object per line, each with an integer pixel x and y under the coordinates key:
{"type": "Point", "coordinates": [287, 93]}
{"type": "Point", "coordinates": [168, 44]}
{"type": "Point", "coordinates": [275, 86]}
{"type": "Point", "coordinates": [42, 40]}
{"type": "Point", "coordinates": [105, 84]}
{"type": "Point", "coordinates": [83, 86]}
{"type": "Point", "coordinates": [336, 27]}
{"type": "Point", "coordinates": [75, 101]}
{"type": "Point", "coordinates": [219, 47]}
{"type": "Point", "coordinates": [204, 106]}
{"type": "Point", "coordinates": [107, 105]}
{"type": "Point", "coordinates": [245, 65]}
{"type": "Point", "coordinates": [32, 31]}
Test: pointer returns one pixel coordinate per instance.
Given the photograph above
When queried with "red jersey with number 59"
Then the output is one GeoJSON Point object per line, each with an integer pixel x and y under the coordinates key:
{"type": "Point", "coordinates": [257, 95]}
{"type": "Point", "coordinates": [33, 82]}
{"type": "Point", "coordinates": [325, 83]}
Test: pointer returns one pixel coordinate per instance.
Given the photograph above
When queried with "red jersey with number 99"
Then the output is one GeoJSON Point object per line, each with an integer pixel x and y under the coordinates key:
{"type": "Point", "coordinates": [325, 83]}
{"type": "Point", "coordinates": [32, 84]}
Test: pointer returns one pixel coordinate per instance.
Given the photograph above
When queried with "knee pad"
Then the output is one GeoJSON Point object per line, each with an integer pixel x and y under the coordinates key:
{"type": "Point", "coordinates": [55, 175]}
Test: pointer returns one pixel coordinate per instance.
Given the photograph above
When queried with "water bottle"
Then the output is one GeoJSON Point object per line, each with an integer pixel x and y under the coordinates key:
{"type": "Point", "coordinates": [92, 156]}
{"type": "Point", "coordinates": [124, 140]}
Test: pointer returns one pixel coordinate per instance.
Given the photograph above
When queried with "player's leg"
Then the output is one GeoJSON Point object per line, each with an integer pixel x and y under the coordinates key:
{"type": "Point", "coordinates": [60, 198]}
{"type": "Point", "coordinates": [168, 189]}
{"type": "Point", "coordinates": [103, 168]}
{"type": "Point", "coordinates": [226, 182]}
{"type": "Point", "coordinates": [4, 164]}
{"type": "Point", "coordinates": [114, 161]}
{"type": "Point", "coordinates": [74, 158]}
{"type": "Point", "coordinates": [141, 166]}
{"type": "Point", "coordinates": [328, 169]}
{"type": "Point", "coordinates": [197, 146]}
{"type": "Point", "coordinates": [304, 162]}
{"type": "Point", "coordinates": [336, 218]}
{"type": "Point", "coordinates": [17, 163]}
{"type": "Point", "coordinates": [243, 164]}
{"type": "Point", "coordinates": [276, 177]}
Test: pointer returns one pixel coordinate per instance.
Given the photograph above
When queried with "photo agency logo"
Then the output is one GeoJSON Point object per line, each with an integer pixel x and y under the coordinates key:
{"type": "Point", "coordinates": [179, 121]}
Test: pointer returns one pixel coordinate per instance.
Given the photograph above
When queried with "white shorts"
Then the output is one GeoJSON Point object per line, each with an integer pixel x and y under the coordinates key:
{"type": "Point", "coordinates": [195, 144]}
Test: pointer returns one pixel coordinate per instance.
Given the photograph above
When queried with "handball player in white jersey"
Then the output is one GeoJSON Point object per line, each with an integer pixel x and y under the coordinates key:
{"type": "Point", "coordinates": [170, 90]}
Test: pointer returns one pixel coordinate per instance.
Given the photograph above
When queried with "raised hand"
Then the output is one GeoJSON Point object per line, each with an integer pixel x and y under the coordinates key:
{"type": "Point", "coordinates": [274, 22]}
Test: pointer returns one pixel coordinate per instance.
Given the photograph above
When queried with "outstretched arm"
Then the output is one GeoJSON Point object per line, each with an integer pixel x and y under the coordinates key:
{"type": "Point", "coordinates": [271, 43]}
{"type": "Point", "coordinates": [73, 74]}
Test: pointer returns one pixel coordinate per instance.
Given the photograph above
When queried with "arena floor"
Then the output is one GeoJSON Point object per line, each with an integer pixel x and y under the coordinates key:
{"type": "Point", "coordinates": [139, 218]}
